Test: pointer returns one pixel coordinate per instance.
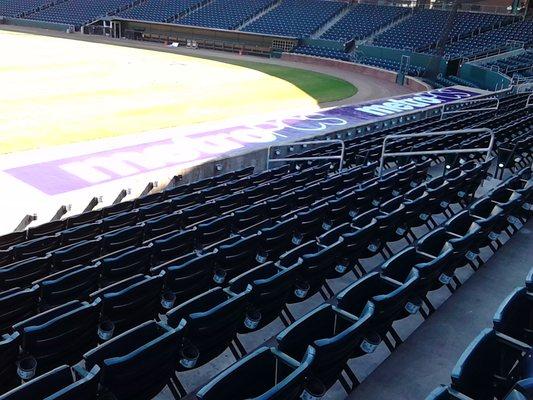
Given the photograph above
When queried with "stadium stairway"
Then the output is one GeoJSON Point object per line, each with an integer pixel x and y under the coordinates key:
{"type": "Point", "coordinates": [324, 28]}
{"type": "Point", "coordinates": [258, 15]}
{"type": "Point", "coordinates": [370, 39]}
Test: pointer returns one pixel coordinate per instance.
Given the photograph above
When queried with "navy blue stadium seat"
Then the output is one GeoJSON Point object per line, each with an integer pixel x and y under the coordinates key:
{"type": "Point", "coordinates": [62, 383]}
{"type": "Point", "coordinates": [60, 335]}
{"type": "Point", "coordinates": [212, 322]}
{"type": "Point", "coordinates": [274, 376]}
{"type": "Point", "coordinates": [131, 301]}
{"type": "Point", "coordinates": [137, 364]}
{"type": "Point", "coordinates": [335, 335]}
{"type": "Point", "coordinates": [17, 304]}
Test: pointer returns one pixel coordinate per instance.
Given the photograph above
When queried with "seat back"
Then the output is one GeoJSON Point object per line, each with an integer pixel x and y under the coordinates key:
{"type": "Point", "coordinates": [60, 335]}
{"type": "Point", "coordinates": [17, 304]}
{"type": "Point", "coordinates": [121, 239]}
{"type": "Point", "coordinates": [174, 246]}
{"type": "Point", "coordinates": [74, 283]}
{"type": "Point", "coordinates": [275, 376]}
{"type": "Point", "coordinates": [131, 301]}
{"type": "Point", "coordinates": [76, 254]}
{"type": "Point", "coordinates": [137, 364]}
{"type": "Point", "coordinates": [23, 273]}
{"type": "Point", "coordinates": [128, 263]}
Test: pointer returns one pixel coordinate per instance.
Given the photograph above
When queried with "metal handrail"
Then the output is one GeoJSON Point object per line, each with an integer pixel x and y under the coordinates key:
{"type": "Point", "coordinates": [339, 157]}
{"type": "Point", "coordinates": [528, 104]}
{"type": "Point", "coordinates": [384, 154]}
{"type": "Point", "coordinates": [464, 110]}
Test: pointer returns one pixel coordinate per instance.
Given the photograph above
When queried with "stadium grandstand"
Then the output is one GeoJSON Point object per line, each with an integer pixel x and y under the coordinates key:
{"type": "Point", "coordinates": [266, 199]}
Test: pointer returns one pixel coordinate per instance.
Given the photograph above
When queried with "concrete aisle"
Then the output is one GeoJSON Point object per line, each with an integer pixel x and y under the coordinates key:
{"type": "Point", "coordinates": [429, 354]}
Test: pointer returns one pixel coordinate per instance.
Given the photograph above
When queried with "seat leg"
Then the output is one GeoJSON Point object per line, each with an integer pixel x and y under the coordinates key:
{"type": "Point", "coordinates": [353, 378]}
{"type": "Point", "coordinates": [289, 315]}
{"type": "Point", "coordinates": [395, 336]}
{"type": "Point", "coordinates": [234, 351]}
{"type": "Point", "coordinates": [328, 289]}
{"type": "Point", "coordinates": [388, 250]}
{"type": "Point", "coordinates": [175, 386]}
{"type": "Point", "coordinates": [423, 313]}
{"type": "Point", "coordinates": [323, 294]}
{"type": "Point", "coordinates": [345, 385]}
{"type": "Point", "coordinates": [431, 308]}
{"type": "Point", "coordinates": [388, 343]}
{"type": "Point", "coordinates": [284, 320]}
{"type": "Point", "coordinates": [457, 282]}
{"type": "Point", "coordinates": [240, 346]}
{"type": "Point", "coordinates": [360, 269]}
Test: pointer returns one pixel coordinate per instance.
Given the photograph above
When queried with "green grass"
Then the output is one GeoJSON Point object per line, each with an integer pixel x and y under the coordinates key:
{"type": "Point", "coordinates": [322, 87]}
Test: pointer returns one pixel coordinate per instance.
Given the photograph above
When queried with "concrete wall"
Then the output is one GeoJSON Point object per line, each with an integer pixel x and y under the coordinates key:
{"type": "Point", "coordinates": [383, 74]}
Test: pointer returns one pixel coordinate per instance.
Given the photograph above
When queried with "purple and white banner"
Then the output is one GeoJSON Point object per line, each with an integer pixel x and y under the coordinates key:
{"type": "Point", "coordinates": [180, 149]}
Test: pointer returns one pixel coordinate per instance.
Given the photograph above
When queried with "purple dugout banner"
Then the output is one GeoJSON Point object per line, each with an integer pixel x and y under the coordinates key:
{"type": "Point", "coordinates": [79, 172]}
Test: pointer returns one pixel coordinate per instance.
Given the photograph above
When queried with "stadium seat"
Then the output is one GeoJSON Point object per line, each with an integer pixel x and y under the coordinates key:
{"type": "Point", "coordinates": [60, 335]}
{"type": "Point", "coordinates": [490, 366]}
{"type": "Point", "coordinates": [335, 335]}
{"type": "Point", "coordinates": [139, 363]}
{"type": "Point", "coordinates": [513, 317]}
{"type": "Point", "coordinates": [271, 287]}
{"type": "Point", "coordinates": [264, 374]}
{"type": "Point", "coordinates": [212, 322]}
{"type": "Point", "coordinates": [62, 383]}
{"type": "Point", "coordinates": [131, 301]}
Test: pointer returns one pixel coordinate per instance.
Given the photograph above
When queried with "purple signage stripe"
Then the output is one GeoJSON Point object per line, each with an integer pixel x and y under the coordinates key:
{"type": "Point", "coordinates": [78, 172]}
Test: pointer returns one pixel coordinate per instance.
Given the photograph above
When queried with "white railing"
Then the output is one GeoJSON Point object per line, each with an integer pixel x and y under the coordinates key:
{"type": "Point", "coordinates": [385, 155]}
{"type": "Point", "coordinates": [495, 107]}
{"type": "Point", "coordinates": [339, 157]}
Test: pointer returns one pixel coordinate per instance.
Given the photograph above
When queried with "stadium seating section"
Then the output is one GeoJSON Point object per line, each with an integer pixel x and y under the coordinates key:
{"type": "Point", "coordinates": [519, 65]}
{"type": "Point", "coordinates": [79, 12]}
{"type": "Point", "coordinates": [339, 26]}
{"type": "Point", "coordinates": [363, 20]}
{"type": "Point", "coordinates": [122, 300]}
{"type": "Point", "coordinates": [296, 18]}
{"type": "Point", "coordinates": [160, 10]}
{"type": "Point", "coordinates": [226, 14]}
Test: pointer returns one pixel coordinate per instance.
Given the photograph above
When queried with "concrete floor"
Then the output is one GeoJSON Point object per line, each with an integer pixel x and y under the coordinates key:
{"type": "Point", "coordinates": [428, 356]}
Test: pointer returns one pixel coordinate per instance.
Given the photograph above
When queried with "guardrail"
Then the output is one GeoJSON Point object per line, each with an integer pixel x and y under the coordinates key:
{"type": "Point", "coordinates": [384, 154]}
{"type": "Point", "coordinates": [317, 142]}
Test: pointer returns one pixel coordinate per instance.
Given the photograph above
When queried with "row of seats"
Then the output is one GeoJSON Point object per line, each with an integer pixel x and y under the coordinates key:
{"type": "Point", "coordinates": [197, 323]}
{"type": "Point", "coordinates": [520, 32]}
{"type": "Point", "coordinates": [498, 362]}
{"type": "Point", "coordinates": [120, 215]}
{"type": "Point", "coordinates": [520, 64]}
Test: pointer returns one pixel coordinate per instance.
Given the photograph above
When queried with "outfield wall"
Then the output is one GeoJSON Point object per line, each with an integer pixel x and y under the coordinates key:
{"type": "Point", "coordinates": [380, 73]}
